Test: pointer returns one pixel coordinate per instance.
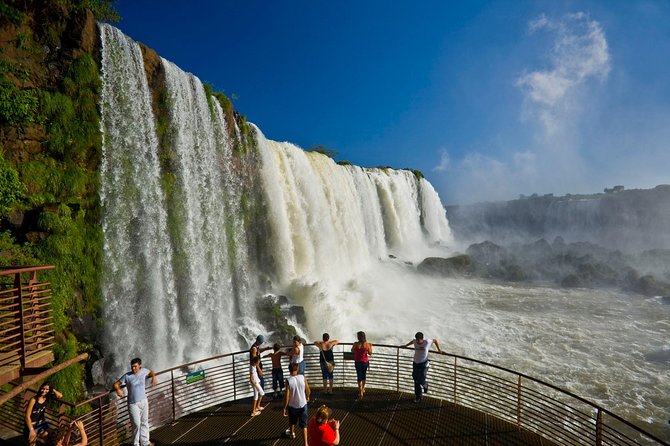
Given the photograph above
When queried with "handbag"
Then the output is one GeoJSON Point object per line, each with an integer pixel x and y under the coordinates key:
{"type": "Point", "coordinates": [329, 365]}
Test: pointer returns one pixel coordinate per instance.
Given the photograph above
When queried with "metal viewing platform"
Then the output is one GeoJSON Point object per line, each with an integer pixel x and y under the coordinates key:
{"type": "Point", "coordinates": [469, 402]}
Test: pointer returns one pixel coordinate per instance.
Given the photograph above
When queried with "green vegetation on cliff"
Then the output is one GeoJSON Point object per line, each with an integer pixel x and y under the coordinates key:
{"type": "Point", "coordinates": [51, 149]}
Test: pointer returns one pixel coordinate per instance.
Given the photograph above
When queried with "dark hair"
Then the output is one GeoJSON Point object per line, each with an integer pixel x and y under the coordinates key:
{"type": "Point", "coordinates": [325, 336]}
{"type": "Point", "coordinates": [276, 347]}
{"type": "Point", "coordinates": [297, 338]}
{"type": "Point", "coordinates": [255, 360]}
{"type": "Point", "coordinates": [292, 367]}
{"type": "Point", "coordinates": [136, 361]}
{"type": "Point", "coordinates": [39, 391]}
{"type": "Point", "coordinates": [418, 335]}
{"type": "Point", "coordinates": [361, 336]}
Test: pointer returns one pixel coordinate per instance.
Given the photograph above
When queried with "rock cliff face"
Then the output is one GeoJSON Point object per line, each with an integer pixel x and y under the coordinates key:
{"type": "Point", "coordinates": [628, 220]}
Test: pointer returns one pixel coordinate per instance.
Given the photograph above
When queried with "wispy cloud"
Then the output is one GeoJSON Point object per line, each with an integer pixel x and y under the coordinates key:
{"type": "Point", "coordinates": [553, 97]}
{"type": "Point", "coordinates": [579, 53]}
{"type": "Point", "coordinates": [444, 162]}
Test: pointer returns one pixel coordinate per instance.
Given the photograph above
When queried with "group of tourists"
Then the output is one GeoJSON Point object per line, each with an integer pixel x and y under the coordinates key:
{"type": "Point", "coordinates": [321, 429]}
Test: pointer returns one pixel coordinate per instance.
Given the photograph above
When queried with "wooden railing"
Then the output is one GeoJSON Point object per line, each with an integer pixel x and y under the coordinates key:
{"type": "Point", "coordinates": [532, 405]}
{"type": "Point", "coordinates": [26, 324]}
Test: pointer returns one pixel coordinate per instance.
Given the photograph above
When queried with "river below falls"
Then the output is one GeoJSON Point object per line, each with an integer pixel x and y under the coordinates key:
{"type": "Point", "coordinates": [609, 347]}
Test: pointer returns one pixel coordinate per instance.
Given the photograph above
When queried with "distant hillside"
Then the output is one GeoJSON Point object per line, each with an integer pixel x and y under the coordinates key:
{"type": "Point", "coordinates": [628, 220]}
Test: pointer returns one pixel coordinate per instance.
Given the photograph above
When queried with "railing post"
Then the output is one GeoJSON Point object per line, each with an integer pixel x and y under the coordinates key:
{"type": "Point", "coordinates": [19, 299]}
{"type": "Point", "coordinates": [174, 408]}
{"type": "Point", "coordinates": [518, 404]}
{"type": "Point", "coordinates": [455, 365]}
{"type": "Point", "coordinates": [397, 370]}
{"type": "Point", "coordinates": [234, 381]}
{"type": "Point", "coordinates": [100, 426]}
{"type": "Point", "coordinates": [599, 427]}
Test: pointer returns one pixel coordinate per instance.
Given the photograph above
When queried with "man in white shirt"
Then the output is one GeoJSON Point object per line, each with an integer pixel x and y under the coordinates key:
{"type": "Point", "coordinates": [420, 363]}
{"type": "Point", "coordinates": [295, 401]}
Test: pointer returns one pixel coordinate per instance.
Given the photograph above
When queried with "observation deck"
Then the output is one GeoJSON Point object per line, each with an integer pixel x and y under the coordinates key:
{"type": "Point", "coordinates": [469, 402]}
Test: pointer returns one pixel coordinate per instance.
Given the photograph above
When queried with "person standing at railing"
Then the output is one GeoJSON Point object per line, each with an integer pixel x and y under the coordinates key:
{"type": "Point", "coordinates": [255, 373]}
{"type": "Point", "coordinates": [138, 405]}
{"type": "Point", "coordinates": [297, 354]}
{"type": "Point", "coordinates": [295, 401]}
{"type": "Point", "coordinates": [277, 371]}
{"type": "Point", "coordinates": [362, 351]}
{"type": "Point", "coordinates": [35, 415]}
{"type": "Point", "coordinates": [327, 361]}
{"type": "Point", "coordinates": [256, 350]}
{"type": "Point", "coordinates": [420, 363]}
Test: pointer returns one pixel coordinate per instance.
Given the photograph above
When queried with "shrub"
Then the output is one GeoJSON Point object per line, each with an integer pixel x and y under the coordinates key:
{"type": "Point", "coordinates": [11, 189]}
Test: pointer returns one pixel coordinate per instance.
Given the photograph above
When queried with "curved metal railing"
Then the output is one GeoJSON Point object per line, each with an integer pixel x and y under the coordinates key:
{"type": "Point", "coordinates": [531, 404]}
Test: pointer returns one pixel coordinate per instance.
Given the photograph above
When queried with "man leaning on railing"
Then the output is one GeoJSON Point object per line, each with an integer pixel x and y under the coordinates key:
{"type": "Point", "coordinates": [420, 363]}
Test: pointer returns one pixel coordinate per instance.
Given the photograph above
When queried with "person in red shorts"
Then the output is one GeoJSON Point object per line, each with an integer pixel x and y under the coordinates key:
{"type": "Point", "coordinates": [323, 430]}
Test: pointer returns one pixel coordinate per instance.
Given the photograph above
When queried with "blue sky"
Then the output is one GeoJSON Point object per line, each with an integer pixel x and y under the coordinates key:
{"type": "Point", "coordinates": [488, 99]}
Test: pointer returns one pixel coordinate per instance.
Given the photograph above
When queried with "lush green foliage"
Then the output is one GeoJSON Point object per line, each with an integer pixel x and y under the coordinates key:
{"type": "Point", "coordinates": [68, 381]}
{"type": "Point", "coordinates": [417, 173]}
{"type": "Point", "coordinates": [71, 116]}
{"type": "Point", "coordinates": [323, 150]}
{"type": "Point", "coordinates": [11, 189]}
{"type": "Point", "coordinates": [13, 254]}
{"type": "Point", "coordinates": [103, 10]}
{"type": "Point", "coordinates": [17, 106]}
{"type": "Point", "coordinates": [12, 14]}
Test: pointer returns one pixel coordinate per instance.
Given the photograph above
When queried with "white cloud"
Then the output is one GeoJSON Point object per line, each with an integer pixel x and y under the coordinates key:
{"type": "Point", "coordinates": [556, 99]}
{"type": "Point", "coordinates": [579, 53]}
{"type": "Point", "coordinates": [443, 165]}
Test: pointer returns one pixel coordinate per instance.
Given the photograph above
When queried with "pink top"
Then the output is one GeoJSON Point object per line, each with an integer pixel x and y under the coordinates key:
{"type": "Point", "coordinates": [360, 353]}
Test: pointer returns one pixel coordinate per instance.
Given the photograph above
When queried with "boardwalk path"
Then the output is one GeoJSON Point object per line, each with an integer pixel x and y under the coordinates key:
{"type": "Point", "coordinates": [382, 418]}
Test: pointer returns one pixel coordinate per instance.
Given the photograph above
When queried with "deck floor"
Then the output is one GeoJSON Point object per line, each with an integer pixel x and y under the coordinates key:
{"type": "Point", "coordinates": [381, 418]}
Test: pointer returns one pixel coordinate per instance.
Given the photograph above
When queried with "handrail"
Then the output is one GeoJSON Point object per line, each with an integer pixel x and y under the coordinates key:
{"type": "Point", "coordinates": [27, 328]}
{"type": "Point", "coordinates": [529, 403]}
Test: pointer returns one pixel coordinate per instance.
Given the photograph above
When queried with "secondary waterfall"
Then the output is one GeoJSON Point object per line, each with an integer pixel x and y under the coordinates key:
{"type": "Point", "coordinates": [194, 233]}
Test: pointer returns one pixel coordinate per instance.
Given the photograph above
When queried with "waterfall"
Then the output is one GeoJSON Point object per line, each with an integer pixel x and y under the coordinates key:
{"type": "Point", "coordinates": [177, 205]}
{"type": "Point", "coordinates": [138, 285]}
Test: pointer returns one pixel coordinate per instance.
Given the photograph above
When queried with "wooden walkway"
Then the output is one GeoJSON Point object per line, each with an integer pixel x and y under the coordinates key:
{"type": "Point", "coordinates": [382, 418]}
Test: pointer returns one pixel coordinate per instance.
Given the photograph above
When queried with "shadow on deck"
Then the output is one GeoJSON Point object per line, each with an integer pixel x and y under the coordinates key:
{"type": "Point", "coordinates": [382, 418]}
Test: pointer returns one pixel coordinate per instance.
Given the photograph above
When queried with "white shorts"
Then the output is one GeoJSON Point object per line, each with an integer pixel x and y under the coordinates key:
{"type": "Point", "coordinates": [258, 393]}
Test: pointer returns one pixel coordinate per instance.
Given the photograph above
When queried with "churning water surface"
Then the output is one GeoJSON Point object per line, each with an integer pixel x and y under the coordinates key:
{"type": "Point", "coordinates": [609, 347]}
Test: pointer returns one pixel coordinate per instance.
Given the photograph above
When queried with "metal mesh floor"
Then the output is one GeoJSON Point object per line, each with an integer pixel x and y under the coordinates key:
{"type": "Point", "coordinates": [381, 418]}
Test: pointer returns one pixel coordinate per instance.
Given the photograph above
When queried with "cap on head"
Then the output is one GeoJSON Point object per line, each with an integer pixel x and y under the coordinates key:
{"type": "Point", "coordinates": [260, 338]}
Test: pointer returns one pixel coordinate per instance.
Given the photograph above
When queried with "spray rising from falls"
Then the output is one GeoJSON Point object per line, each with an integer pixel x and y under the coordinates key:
{"type": "Point", "coordinates": [202, 216]}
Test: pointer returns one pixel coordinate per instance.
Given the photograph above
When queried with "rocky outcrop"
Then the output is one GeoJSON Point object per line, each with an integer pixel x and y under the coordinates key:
{"type": "Point", "coordinates": [450, 267]}
{"type": "Point", "coordinates": [568, 265]}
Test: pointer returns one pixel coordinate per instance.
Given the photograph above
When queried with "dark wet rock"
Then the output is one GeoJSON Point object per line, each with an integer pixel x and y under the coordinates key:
{"type": "Point", "coordinates": [274, 312]}
{"type": "Point", "coordinates": [449, 267]}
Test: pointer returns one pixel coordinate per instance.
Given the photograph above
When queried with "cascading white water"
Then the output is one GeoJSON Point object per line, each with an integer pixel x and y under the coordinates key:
{"type": "Point", "coordinates": [170, 259]}
{"type": "Point", "coordinates": [138, 283]}
{"type": "Point", "coordinates": [177, 281]}
{"type": "Point", "coordinates": [332, 226]}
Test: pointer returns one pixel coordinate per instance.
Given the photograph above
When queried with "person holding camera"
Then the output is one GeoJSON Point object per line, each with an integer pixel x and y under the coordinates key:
{"type": "Point", "coordinates": [323, 429]}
